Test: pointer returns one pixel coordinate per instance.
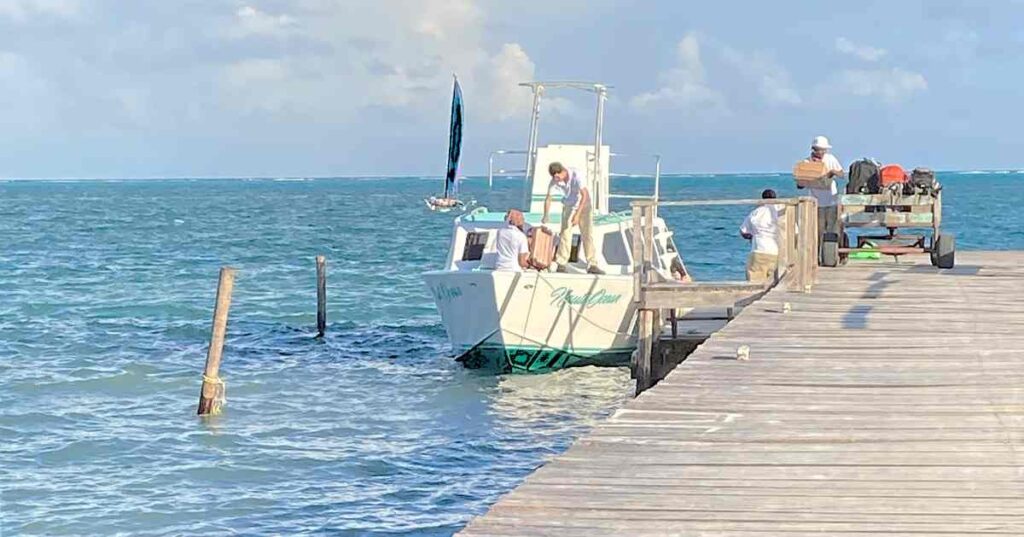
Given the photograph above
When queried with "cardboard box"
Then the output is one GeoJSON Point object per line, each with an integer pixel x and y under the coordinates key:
{"type": "Point", "coordinates": [811, 173]}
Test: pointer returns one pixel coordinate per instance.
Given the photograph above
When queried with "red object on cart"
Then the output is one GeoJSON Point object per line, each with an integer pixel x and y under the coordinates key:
{"type": "Point", "coordinates": [893, 174]}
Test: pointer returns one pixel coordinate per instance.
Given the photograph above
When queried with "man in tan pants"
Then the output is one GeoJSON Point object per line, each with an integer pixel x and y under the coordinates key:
{"type": "Point", "coordinates": [761, 228]}
{"type": "Point", "coordinates": [576, 211]}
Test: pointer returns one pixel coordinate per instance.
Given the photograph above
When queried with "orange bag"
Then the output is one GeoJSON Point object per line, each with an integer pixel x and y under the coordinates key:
{"type": "Point", "coordinates": [893, 174]}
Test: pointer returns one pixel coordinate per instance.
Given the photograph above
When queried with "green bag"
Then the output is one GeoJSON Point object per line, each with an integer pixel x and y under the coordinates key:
{"type": "Point", "coordinates": [867, 255]}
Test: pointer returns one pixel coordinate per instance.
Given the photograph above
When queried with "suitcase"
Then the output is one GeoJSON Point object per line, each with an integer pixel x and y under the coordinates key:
{"type": "Point", "coordinates": [542, 247]}
{"type": "Point", "coordinates": [811, 173]}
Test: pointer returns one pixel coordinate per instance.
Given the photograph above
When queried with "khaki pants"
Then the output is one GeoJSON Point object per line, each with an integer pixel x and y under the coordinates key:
{"type": "Point", "coordinates": [761, 267]}
{"type": "Point", "coordinates": [586, 235]}
{"type": "Point", "coordinates": [828, 219]}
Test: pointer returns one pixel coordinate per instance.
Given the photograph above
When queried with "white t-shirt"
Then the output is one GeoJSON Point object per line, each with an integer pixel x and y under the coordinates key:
{"type": "Point", "coordinates": [828, 197]}
{"type": "Point", "coordinates": [570, 190]}
{"type": "Point", "coordinates": [509, 244]}
{"type": "Point", "coordinates": [763, 225]}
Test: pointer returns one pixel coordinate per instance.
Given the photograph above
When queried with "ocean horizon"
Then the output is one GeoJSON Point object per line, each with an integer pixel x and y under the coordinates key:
{"type": "Point", "coordinates": [471, 177]}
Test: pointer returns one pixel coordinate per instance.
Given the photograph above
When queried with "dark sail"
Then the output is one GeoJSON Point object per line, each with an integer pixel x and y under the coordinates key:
{"type": "Point", "coordinates": [451, 188]}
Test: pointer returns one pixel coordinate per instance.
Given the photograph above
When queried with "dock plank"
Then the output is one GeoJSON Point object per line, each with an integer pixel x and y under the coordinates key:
{"type": "Point", "coordinates": [890, 400]}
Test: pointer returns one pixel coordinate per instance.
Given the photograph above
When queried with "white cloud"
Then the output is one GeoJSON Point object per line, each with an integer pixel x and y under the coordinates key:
{"type": "Point", "coordinates": [446, 20]}
{"type": "Point", "coordinates": [864, 52]}
{"type": "Point", "coordinates": [891, 85]}
{"type": "Point", "coordinates": [251, 21]}
{"type": "Point", "coordinates": [772, 79]}
{"type": "Point", "coordinates": [683, 86]}
{"type": "Point", "coordinates": [502, 74]}
{"type": "Point", "coordinates": [345, 63]}
{"type": "Point", "coordinates": [23, 10]}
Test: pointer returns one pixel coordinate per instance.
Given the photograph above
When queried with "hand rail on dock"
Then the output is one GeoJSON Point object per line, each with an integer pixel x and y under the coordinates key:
{"type": "Point", "coordinates": [654, 294]}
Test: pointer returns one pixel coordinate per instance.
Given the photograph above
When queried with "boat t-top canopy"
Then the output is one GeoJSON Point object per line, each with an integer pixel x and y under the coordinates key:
{"type": "Point", "coordinates": [595, 87]}
{"type": "Point", "coordinates": [538, 88]}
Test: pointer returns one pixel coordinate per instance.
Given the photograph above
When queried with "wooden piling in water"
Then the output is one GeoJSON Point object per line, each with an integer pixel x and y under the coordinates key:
{"type": "Point", "coordinates": [321, 295]}
{"type": "Point", "coordinates": [212, 393]}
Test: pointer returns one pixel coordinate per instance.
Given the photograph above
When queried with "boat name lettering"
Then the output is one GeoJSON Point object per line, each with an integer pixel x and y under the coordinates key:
{"type": "Point", "coordinates": [443, 293]}
{"type": "Point", "coordinates": [564, 295]}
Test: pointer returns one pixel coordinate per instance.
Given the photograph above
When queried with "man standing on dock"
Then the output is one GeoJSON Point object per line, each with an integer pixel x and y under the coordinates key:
{"type": "Point", "coordinates": [828, 198]}
{"type": "Point", "coordinates": [576, 211]}
{"type": "Point", "coordinates": [761, 228]}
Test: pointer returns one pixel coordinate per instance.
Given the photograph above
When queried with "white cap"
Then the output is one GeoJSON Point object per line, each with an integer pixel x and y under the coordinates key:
{"type": "Point", "coordinates": [821, 142]}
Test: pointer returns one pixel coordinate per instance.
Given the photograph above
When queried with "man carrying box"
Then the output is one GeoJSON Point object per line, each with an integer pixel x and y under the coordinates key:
{"type": "Point", "coordinates": [827, 196]}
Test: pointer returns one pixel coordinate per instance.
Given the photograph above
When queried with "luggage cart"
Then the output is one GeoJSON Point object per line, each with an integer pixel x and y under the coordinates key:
{"type": "Point", "coordinates": [894, 212]}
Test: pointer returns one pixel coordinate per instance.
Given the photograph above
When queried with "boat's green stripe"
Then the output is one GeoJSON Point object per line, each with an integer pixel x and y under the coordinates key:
{"type": "Point", "coordinates": [581, 351]}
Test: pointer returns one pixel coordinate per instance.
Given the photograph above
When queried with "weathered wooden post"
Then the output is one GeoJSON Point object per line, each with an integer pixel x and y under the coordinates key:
{"type": "Point", "coordinates": [643, 256]}
{"type": "Point", "coordinates": [795, 240]}
{"type": "Point", "coordinates": [637, 249]}
{"type": "Point", "coordinates": [211, 396]}
{"type": "Point", "coordinates": [807, 243]}
{"type": "Point", "coordinates": [321, 295]}
{"type": "Point", "coordinates": [645, 373]}
{"type": "Point", "coordinates": [812, 209]}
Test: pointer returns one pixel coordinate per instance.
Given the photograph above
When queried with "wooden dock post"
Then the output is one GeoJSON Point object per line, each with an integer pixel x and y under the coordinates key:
{"type": "Point", "coordinates": [642, 368]}
{"type": "Point", "coordinates": [646, 334]}
{"type": "Point", "coordinates": [211, 396]}
{"type": "Point", "coordinates": [321, 295]}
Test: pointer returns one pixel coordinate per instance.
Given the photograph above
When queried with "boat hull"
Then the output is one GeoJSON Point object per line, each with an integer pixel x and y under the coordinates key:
{"type": "Point", "coordinates": [535, 322]}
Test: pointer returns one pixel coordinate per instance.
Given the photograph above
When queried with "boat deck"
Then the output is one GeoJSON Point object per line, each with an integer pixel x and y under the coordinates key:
{"type": "Point", "coordinates": [889, 400]}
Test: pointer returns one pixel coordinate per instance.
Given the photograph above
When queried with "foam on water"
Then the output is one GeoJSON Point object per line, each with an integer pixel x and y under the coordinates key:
{"type": "Point", "coordinates": [107, 293]}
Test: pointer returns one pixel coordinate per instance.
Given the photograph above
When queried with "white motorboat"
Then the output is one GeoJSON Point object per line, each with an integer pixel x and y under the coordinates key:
{"type": "Point", "coordinates": [537, 321]}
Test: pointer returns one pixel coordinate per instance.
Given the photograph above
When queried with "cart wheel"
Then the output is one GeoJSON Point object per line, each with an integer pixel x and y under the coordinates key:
{"type": "Point", "coordinates": [945, 250]}
{"type": "Point", "coordinates": [830, 254]}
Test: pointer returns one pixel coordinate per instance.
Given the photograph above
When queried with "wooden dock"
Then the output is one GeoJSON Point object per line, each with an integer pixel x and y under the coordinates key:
{"type": "Point", "coordinates": [889, 400]}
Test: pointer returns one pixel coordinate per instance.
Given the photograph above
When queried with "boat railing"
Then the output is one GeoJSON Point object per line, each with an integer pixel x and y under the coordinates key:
{"type": "Point", "coordinates": [657, 181]}
{"type": "Point", "coordinates": [491, 172]}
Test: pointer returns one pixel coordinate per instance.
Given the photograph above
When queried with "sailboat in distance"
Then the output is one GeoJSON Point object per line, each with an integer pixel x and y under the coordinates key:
{"type": "Point", "coordinates": [450, 199]}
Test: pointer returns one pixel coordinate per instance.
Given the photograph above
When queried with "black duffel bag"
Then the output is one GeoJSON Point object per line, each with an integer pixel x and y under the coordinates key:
{"type": "Point", "coordinates": [863, 177]}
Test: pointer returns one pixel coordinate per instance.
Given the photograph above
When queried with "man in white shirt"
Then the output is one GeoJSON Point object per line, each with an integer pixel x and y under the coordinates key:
{"type": "Point", "coordinates": [828, 198]}
{"type": "Point", "coordinates": [576, 211]}
{"type": "Point", "coordinates": [513, 250]}
{"type": "Point", "coordinates": [761, 228]}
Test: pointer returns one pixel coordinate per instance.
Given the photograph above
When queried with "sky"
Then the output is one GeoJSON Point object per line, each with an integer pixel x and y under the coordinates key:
{"type": "Point", "coordinates": [224, 88]}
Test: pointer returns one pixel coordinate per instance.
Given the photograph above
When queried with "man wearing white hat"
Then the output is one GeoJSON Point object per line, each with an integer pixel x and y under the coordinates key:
{"type": "Point", "coordinates": [827, 197]}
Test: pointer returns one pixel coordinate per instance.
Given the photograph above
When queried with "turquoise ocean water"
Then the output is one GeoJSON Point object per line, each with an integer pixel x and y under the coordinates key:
{"type": "Point", "coordinates": [106, 294]}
